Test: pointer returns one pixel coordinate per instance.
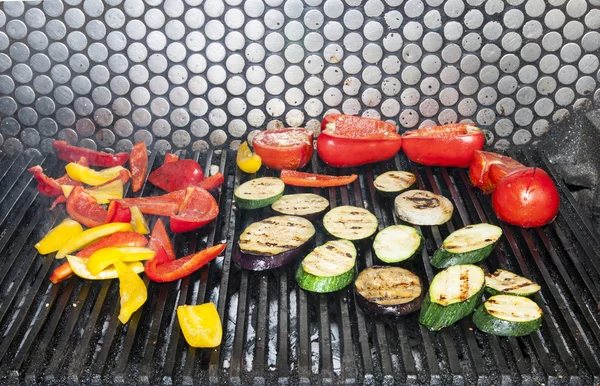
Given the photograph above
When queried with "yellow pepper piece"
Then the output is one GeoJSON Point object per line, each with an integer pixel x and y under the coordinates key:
{"type": "Point", "coordinates": [103, 194]}
{"type": "Point", "coordinates": [91, 235]}
{"type": "Point", "coordinates": [201, 325]}
{"type": "Point", "coordinates": [247, 161]}
{"type": "Point", "coordinates": [58, 236]}
{"type": "Point", "coordinates": [138, 222]}
{"type": "Point", "coordinates": [90, 176]}
{"type": "Point", "coordinates": [105, 257]}
{"type": "Point", "coordinates": [79, 267]}
{"type": "Point", "coordinates": [132, 290]}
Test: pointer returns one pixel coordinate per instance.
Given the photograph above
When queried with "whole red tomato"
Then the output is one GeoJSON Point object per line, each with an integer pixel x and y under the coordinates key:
{"type": "Point", "coordinates": [289, 148]}
{"type": "Point", "coordinates": [527, 198]}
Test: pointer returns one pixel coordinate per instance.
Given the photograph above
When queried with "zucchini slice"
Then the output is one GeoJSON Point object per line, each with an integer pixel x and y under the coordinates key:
{"type": "Point", "coordinates": [306, 205]}
{"type": "Point", "coordinates": [275, 235]}
{"type": "Point", "coordinates": [508, 283]}
{"type": "Point", "coordinates": [330, 259]}
{"type": "Point", "coordinates": [508, 315]}
{"type": "Point", "coordinates": [350, 223]}
{"type": "Point", "coordinates": [323, 284]}
{"type": "Point", "coordinates": [392, 291]}
{"type": "Point", "coordinates": [467, 245]}
{"type": "Point", "coordinates": [454, 293]}
{"type": "Point", "coordinates": [420, 207]}
{"type": "Point", "coordinates": [397, 243]}
{"type": "Point", "coordinates": [259, 192]}
{"type": "Point", "coordinates": [391, 183]}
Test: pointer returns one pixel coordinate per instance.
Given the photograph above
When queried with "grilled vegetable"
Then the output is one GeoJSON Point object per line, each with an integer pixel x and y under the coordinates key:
{"type": "Point", "coordinates": [467, 245]}
{"type": "Point", "coordinates": [201, 325]}
{"type": "Point", "coordinates": [392, 291]}
{"type": "Point", "coordinates": [259, 192]}
{"type": "Point", "coordinates": [274, 242]}
{"type": "Point", "coordinates": [132, 290]}
{"type": "Point", "coordinates": [350, 223]}
{"type": "Point", "coordinates": [328, 268]}
{"type": "Point", "coordinates": [247, 161]}
{"type": "Point", "coordinates": [391, 183]}
{"type": "Point", "coordinates": [58, 236]}
{"type": "Point", "coordinates": [421, 207]}
{"type": "Point", "coordinates": [89, 236]}
{"type": "Point", "coordinates": [79, 268]}
{"type": "Point", "coordinates": [397, 243]}
{"type": "Point", "coordinates": [454, 293]}
{"type": "Point", "coordinates": [311, 180]}
{"type": "Point", "coordinates": [305, 205]}
{"type": "Point", "coordinates": [508, 283]}
{"type": "Point", "coordinates": [508, 315]}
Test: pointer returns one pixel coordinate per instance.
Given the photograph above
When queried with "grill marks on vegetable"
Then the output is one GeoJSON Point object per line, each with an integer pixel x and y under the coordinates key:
{"type": "Point", "coordinates": [456, 284]}
{"type": "Point", "coordinates": [393, 182]}
{"type": "Point", "coordinates": [350, 223]}
{"type": "Point", "coordinates": [276, 235]}
{"type": "Point", "coordinates": [331, 259]}
{"type": "Point", "coordinates": [302, 204]}
{"type": "Point", "coordinates": [388, 285]}
{"type": "Point", "coordinates": [505, 282]}
{"type": "Point", "coordinates": [421, 207]}
{"type": "Point", "coordinates": [512, 308]}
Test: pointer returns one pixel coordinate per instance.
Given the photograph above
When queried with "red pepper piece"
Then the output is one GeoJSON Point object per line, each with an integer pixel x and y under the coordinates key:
{"type": "Point", "coordinates": [70, 153]}
{"type": "Point", "coordinates": [49, 186]}
{"type": "Point", "coordinates": [170, 157]}
{"type": "Point", "coordinates": [159, 238]}
{"type": "Point", "coordinates": [121, 239]}
{"type": "Point", "coordinates": [165, 205]}
{"type": "Point", "coordinates": [84, 209]}
{"type": "Point", "coordinates": [138, 163]}
{"type": "Point", "coordinates": [198, 209]}
{"type": "Point", "coordinates": [59, 200]}
{"type": "Point", "coordinates": [212, 182]}
{"type": "Point", "coordinates": [177, 175]}
{"type": "Point", "coordinates": [294, 178]}
{"type": "Point", "coordinates": [118, 213]}
{"type": "Point", "coordinates": [161, 270]}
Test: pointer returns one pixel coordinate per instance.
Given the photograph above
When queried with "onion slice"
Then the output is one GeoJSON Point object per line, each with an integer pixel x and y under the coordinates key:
{"type": "Point", "coordinates": [421, 207]}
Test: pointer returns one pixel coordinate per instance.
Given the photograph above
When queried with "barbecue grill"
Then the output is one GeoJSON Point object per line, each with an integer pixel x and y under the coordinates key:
{"type": "Point", "coordinates": [275, 333]}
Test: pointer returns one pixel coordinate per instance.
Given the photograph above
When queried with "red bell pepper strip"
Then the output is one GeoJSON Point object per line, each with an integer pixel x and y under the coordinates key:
{"type": "Point", "coordinates": [448, 145]}
{"type": "Point", "coordinates": [118, 212]}
{"type": "Point", "coordinates": [212, 182]}
{"type": "Point", "coordinates": [84, 209]}
{"type": "Point", "coordinates": [49, 186]}
{"type": "Point", "coordinates": [59, 200]}
{"type": "Point", "coordinates": [348, 140]}
{"type": "Point", "coordinates": [138, 163]}
{"type": "Point", "coordinates": [488, 168]}
{"type": "Point", "coordinates": [121, 239]}
{"type": "Point", "coordinates": [70, 153]}
{"type": "Point", "coordinates": [294, 178]}
{"type": "Point", "coordinates": [159, 238]}
{"type": "Point", "coordinates": [165, 205]}
{"type": "Point", "coordinates": [170, 157]}
{"type": "Point", "coordinates": [198, 209]}
{"type": "Point", "coordinates": [177, 175]}
{"type": "Point", "coordinates": [161, 270]}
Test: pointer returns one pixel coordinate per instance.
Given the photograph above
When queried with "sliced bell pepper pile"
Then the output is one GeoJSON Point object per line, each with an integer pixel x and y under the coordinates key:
{"type": "Point", "coordinates": [165, 205]}
{"type": "Point", "coordinates": [70, 153]}
{"type": "Point", "coordinates": [161, 269]}
{"type": "Point", "coordinates": [112, 190]}
{"type": "Point", "coordinates": [132, 290]}
{"type": "Point", "coordinates": [246, 160]}
{"type": "Point", "coordinates": [58, 236]}
{"type": "Point", "coordinates": [177, 175]}
{"type": "Point", "coordinates": [198, 209]}
{"type": "Point", "coordinates": [79, 267]}
{"type": "Point", "coordinates": [92, 177]}
{"type": "Point", "coordinates": [106, 257]}
{"type": "Point", "coordinates": [84, 208]}
{"type": "Point", "coordinates": [138, 163]}
{"type": "Point", "coordinates": [201, 325]}
{"type": "Point", "coordinates": [49, 186]}
{"type": "Point", "coordinates": [295, 178]}
{"type": "Point", "coordinates": [159, 238]}
{"type": "Point", "coordinates": [89, 236]}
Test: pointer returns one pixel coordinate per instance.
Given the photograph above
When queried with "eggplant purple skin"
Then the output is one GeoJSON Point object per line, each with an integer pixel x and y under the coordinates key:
{"type": "Point", "coordinates": [263, 263]}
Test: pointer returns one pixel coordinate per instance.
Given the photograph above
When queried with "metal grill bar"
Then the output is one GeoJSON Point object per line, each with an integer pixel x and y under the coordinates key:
{"type": "Point", "coordinates": [320, 339]}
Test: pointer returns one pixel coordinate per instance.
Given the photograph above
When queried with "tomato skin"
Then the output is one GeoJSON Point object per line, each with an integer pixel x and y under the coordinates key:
{"type": "Point", "coordinates": [138, 163]}
{"type": "Point", "coordinates": [289, 148]}
{"type": "Point", "coordinates": [527, 198]}
{"type": "Point", "coordinates": [347, 140]}
{"type": "Point", "coordinates": [84, 209]}
{"type": "Point", "coordinates": [198, 209]}
{"type": "Point", "coordinates": [488, 168]}
{"type": "Point", "coordinates": [448, 145]}
{"type": "Point", "coordinates": [177, 175]}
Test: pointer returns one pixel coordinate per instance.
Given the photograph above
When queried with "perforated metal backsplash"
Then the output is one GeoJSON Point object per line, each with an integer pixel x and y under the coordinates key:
{"type": "Point", "coordinates": [180, 74]}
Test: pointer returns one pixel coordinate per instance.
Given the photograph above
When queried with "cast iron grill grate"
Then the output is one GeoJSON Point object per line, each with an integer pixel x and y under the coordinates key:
{"type": "Point", "coordinates": [275, 333]}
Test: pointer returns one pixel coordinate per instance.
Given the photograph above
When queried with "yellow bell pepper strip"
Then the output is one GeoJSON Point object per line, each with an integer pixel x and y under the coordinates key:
{"type": "Point", "coordinates": [58, 236]}
{"type": "Point", "coordinates": [132, 290]}
{"type": "Point", "coordinates": [113, 190]}
{"type": "Point", "coordinates": [138, 222]}
{"type": "Point", "coordinates": [201, 325]}
{"type": "Point", "coordinates": [79, 267]}
{"type": "Point", "coordinates": [89, 236]}
{"type": "Point", "coordinates": [105, 257]}
{"type": "Point", "coordinates": [247, 161]}
{"type": "Point", "coordinates": [90, 176]}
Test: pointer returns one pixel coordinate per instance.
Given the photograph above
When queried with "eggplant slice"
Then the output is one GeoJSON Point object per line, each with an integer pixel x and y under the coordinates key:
{"type": "Point", "coordinates": [307, 205]}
